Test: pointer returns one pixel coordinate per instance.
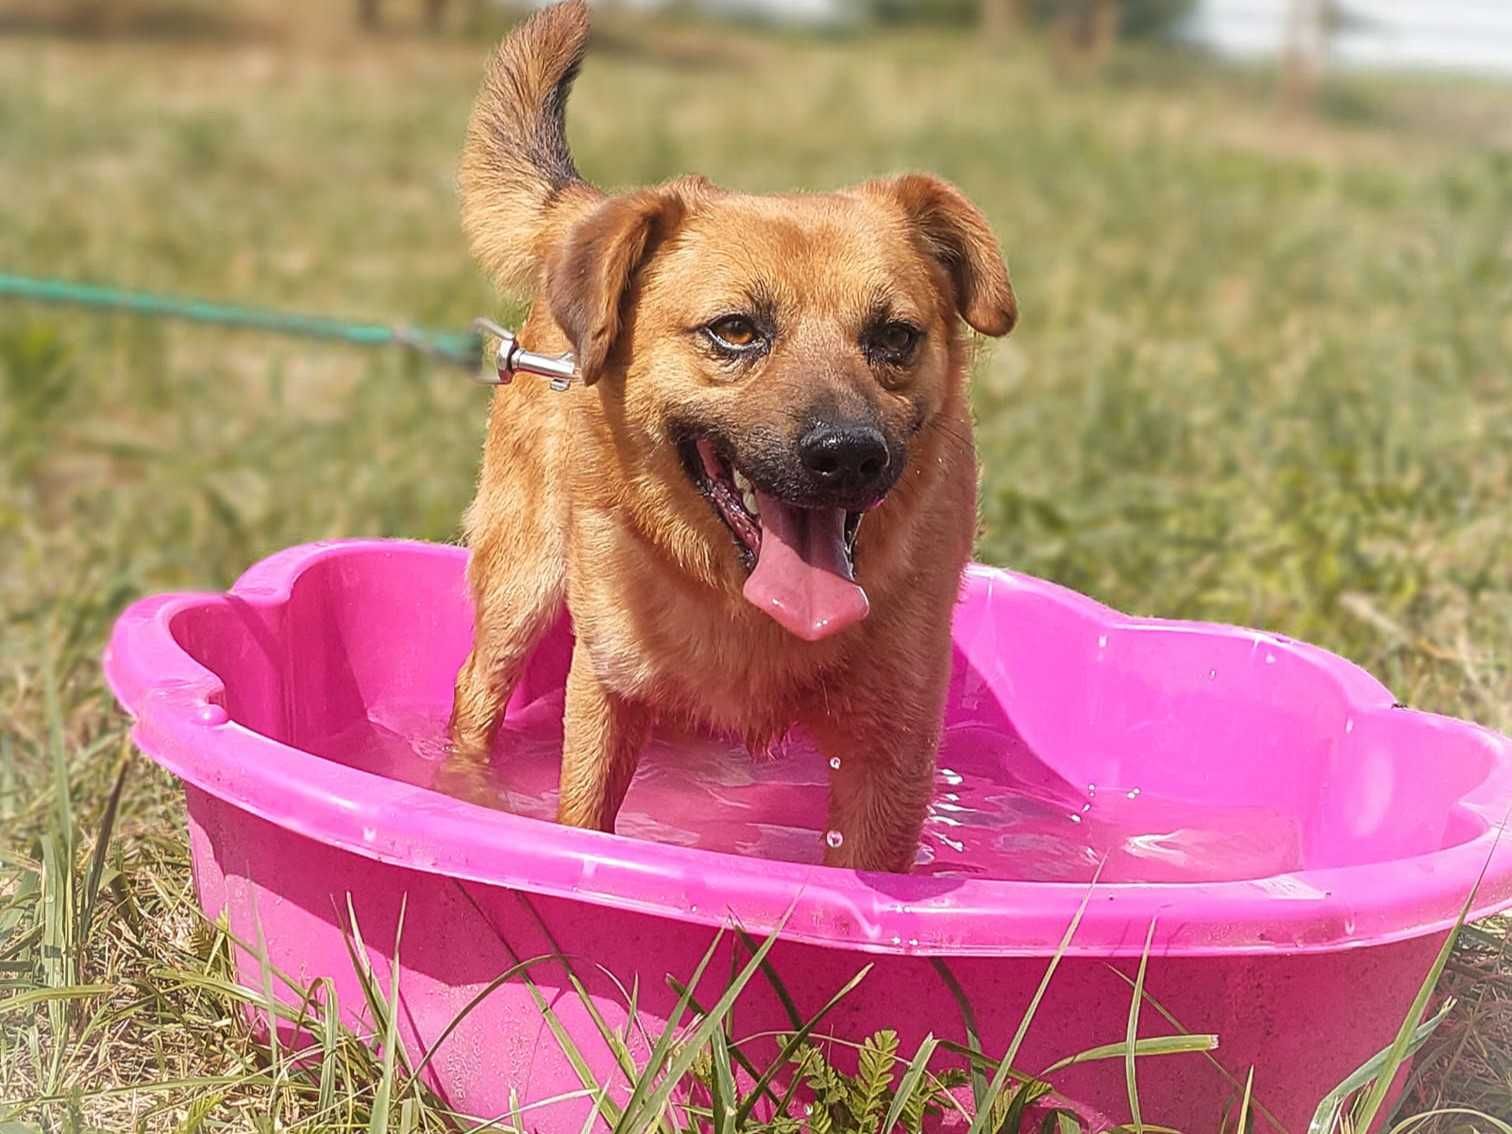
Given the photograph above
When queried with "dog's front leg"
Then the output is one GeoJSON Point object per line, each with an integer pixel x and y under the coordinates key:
{"type": "Point", "coordinates": [603, 734]}
{"type": "Point", "coordinates": [878, 800]}
{"type": "Point", "coordinates": [513, 613]}
{"type": "Point", "coordinates": [882, 761]}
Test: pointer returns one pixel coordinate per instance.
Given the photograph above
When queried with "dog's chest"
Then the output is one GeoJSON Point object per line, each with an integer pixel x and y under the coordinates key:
{"type": "Point", "coordinates": [726, 680]}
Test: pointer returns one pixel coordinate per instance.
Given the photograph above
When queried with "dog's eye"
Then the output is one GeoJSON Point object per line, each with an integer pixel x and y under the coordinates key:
{"type": "Point", "coordinates": [734, 332]}
{"type": "Point", "coordinates": [894, 341]}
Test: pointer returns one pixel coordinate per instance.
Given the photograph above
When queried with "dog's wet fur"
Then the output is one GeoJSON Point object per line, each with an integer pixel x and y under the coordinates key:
{"type": "Point", "coordinates": [801, 355]}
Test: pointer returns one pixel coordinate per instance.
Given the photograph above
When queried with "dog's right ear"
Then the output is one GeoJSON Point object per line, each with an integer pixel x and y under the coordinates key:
{"type": "Point", "coordinates": [589, 275]}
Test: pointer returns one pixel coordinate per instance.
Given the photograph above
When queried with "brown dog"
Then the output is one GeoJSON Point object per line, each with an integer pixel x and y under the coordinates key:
{"type": "Point", "coordinates": [759, 375]}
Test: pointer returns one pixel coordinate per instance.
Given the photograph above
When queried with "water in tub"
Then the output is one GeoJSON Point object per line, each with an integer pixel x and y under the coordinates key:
{"type": "Point", "coordinates": [984, 821]}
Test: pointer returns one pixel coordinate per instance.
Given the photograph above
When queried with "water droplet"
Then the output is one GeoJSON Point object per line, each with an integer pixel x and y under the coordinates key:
{"type": "Point", "coordinates": [835, 763]}
{"type": "Point", "coordinates": [1212, 673]}
{"type": "Point", "coordinates": [1091, 789]}
{"type": "Point", "coordinates": [833, 839]}
{"type": "Point", "coordinates": [1075, 818]}
{"type": "Point", "coordinates": [369, 833]}
{"type": "Point", "coordinates": [1133, 793]}
{"type": "Point", "coordinates": [1102, 641]}
{"type": "Point", "coordinates": [1349, 725]}
{"type": "Point", "coordinates": [897, 940]}
{"type": "Point", "coordinates": [1086, 807]}
{"type": "Point", "coordinates": [211, 715]}
{"type": "Point", "coordinates": [1270, 659]}
{"type": "Point", "coordinates": [913, 942]}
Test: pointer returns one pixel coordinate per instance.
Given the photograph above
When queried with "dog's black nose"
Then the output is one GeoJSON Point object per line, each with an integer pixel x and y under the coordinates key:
{"type": "Point", "coordinates": [849, 461]}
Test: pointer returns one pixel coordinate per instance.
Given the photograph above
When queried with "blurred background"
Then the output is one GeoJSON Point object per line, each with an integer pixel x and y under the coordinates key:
{"type": "Point", "coordinates": [1264, 252]}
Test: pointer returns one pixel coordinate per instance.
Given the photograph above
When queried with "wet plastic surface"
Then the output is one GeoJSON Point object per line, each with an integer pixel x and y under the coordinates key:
{"type": "Point", "coordinates": [1259, 799]}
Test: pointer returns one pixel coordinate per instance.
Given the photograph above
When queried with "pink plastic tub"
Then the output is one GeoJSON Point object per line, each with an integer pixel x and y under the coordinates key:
{"type": "Point", "coordinates": [1300, 842]}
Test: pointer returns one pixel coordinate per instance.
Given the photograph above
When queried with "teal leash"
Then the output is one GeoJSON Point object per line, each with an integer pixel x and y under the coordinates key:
{"type": "Point", "coordinates": [461, 348]}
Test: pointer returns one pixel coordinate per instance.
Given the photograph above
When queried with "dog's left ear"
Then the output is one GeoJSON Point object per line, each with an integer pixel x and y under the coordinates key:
{"type": "Point", "coordinates": [589, 275]}
{"type": "Point", "coordinates": [958, 235]}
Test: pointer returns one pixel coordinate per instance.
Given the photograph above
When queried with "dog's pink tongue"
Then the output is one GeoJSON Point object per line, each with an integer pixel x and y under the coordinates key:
{"type": "Point", "coordinates": [802, 576]}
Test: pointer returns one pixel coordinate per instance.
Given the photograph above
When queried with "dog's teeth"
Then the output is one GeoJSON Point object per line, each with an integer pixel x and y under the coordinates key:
{"type": "Point", "coordinates": [742, 482]}
{"type": "Point", "coordinates": [748, 498]}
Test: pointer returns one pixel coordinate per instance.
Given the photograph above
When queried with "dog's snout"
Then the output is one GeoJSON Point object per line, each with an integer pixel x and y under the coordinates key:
{"type": "Point", "coordinates": [847, 460]}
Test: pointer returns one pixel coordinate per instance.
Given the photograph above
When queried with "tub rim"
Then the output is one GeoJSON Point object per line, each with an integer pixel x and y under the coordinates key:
{"type": "Point", "coordinates": [181, 724]}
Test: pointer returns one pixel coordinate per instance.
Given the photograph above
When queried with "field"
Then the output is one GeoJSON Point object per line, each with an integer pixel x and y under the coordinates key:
{"type": "Point", "coordinates": [1261, 377]}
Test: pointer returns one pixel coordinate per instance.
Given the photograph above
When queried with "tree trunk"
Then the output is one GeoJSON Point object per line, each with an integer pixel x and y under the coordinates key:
{"type": "Point", "coordinates": [1302, 59]}
{"type": "Point", "coordinates": [1103, 31]}
{"type": "Point", "coordinates": [1001, 20]}
{"type": "Point", "coordinates": [1085, 31]}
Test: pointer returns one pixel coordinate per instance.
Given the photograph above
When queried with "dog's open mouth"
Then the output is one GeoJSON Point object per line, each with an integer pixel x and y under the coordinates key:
{"type": "Point", "coordinates": [801, 560]}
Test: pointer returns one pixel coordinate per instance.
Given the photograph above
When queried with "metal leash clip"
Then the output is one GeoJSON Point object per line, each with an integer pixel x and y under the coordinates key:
{"type": "Point", "coordinates": [510, 358]}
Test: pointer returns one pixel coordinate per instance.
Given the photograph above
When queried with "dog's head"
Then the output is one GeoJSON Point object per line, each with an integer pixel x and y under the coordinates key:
{"type": "Point", "coordinates": [785, 353]}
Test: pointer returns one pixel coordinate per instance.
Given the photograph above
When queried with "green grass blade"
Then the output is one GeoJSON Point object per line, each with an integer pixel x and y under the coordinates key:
{"type": "Point", "coordinates": [1326, 1118]}
{"type": "Point", "coordinates": [1143, 1048]}
{"type": "Point", "coordinates": [973, 1038]}
{"type": "Point", "coordinates": [643, 1089]}
{"type": "Point", "coordinates": [779, 989]}
{"type": "Point", "coordinates": [482, 994]}
{"type": "Point", "coordinates": [909, 1083]}
{"type": "Point", "coordinates": [632, 1016]}
{"type": "Point", "coordinates": [629, 997]}
{"type": "Point", "coordinates": [795, 1041]}
{"type": "Point", "coordinates": [367, 980]}
{"type": "Point", "coordinates": [515, 1117]}
{"type": "Point", "coordinates": [378, 1121]}
{"type": "Point", "coordinates": [224, 988]}
{"type": "Point", "coordinates": [1131, 1034]}
{"type": "Point", "coordinates": [599, 1101]}
{"type": "Point", "coordinates": [736, 1054]}
{"type": "Point", "coordinates": [574, 1055]}
{"type": "Point", "coordinates": [1024, 1094]}
{"type": "Point", "coordinates": [59, 915]}
{"type": "Point", "coordinates": [1223, 1072]}
{"type": "Point", "coordinates": [1397, 1053]}
{"type": "Point", "coordinates": [37, 996]}
{"type": "Point", "coordinates": [725, 1094]}
{"type": "Point", "coordinates": [601, 1094]}
{"type": "Point", "coordinates": [678, 1066]}
{"type": "Point", "coordinates": [611, 1038]}
{"type": "Point", "coordinates": [62, 791]}
{"type": "Point", "coordinates": [1494, 1123]}
{"type": "Point", "coordinates": [102, 844]}
{"type": "Point", "coordinates": [1244, 1104]}
{"type": "Point", "coordinates": [330, 1039]}
{"type": "Point", "coordinates": [983, 1114]}
{"type": "Point", "coordinates": [196, 1082]}
{"type": "Point", "coordinates": [362, 966]}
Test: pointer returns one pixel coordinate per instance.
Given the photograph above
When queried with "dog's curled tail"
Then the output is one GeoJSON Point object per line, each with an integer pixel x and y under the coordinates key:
{"type": "Point", "coordinates": [516, 166]}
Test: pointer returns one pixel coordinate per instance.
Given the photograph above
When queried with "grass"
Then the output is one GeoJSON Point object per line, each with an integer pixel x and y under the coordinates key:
{"type": "Point", "coordinates": [1261, 377]}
